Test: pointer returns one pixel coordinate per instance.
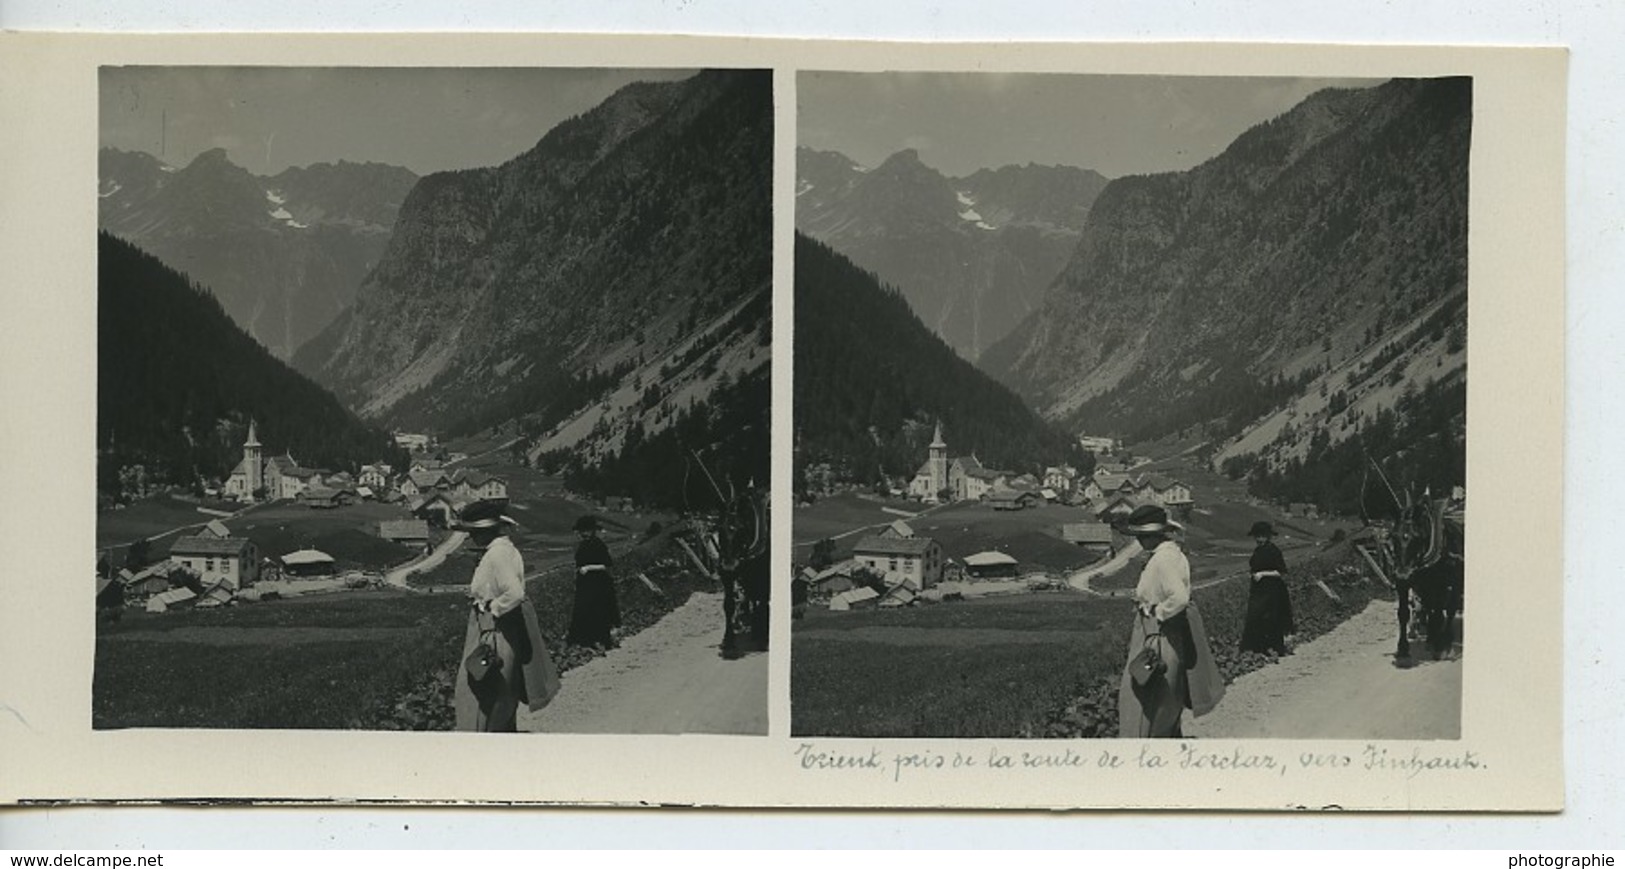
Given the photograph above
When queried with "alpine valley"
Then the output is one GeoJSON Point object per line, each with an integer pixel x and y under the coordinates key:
{"type": "Point", "coordinates": [1307, 284]}
{"type": "Point", "coordinates": [608, 286]}
{"type": "Point", "coordinates": [283, 254]}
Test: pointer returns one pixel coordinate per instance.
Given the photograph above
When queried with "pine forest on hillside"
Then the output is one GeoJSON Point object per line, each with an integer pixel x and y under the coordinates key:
{"type": "Point", "coordinates": [872, 381]}
{"type": "Point", "coordinates": [179, 381]}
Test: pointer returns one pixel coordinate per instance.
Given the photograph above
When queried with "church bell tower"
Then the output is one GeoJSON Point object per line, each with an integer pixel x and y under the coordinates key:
{"type": "Point", "coordinates": [251, 461]}
{"type": "Point", "coordinates": [939, 463]}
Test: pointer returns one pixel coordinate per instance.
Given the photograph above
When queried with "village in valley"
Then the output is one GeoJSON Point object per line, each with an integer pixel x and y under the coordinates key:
{"type": "Point", "coordinates": [967, 530]}
{"type": "Point", "coordinates": [211, 564]}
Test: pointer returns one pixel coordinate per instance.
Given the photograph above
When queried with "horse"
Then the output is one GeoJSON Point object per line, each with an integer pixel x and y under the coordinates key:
{"type": "Point", "coordinates": [1427, 553]}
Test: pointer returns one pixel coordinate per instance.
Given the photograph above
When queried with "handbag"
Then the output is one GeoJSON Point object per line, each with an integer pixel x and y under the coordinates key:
{"type": "Point", "coordinates": [1147, 663]}
{"type": "Point", "coordinates": [483, 661]}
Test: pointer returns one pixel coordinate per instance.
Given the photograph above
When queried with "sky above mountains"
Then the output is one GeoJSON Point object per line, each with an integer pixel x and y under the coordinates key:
{"type": "Point", "coordinates": [1115, 125]}
{"type": "Point", "coordinates": [425, 119]}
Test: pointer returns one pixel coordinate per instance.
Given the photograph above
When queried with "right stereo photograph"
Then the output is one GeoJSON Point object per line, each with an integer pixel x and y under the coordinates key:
{"type": "Point", "coordinates": [1129, 406]}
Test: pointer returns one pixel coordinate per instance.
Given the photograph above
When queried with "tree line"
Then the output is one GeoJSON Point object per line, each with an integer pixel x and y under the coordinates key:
{"type": "Point", "coordinates": [178, 383]}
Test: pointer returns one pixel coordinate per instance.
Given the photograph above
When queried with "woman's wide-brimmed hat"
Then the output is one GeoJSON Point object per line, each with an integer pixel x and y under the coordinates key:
{"type": "Point", "coordinates": [587, 523]}
{"type": "Point", "coordinates": [1261, 529]}
{"type": "Point", "coordinates": [482, 514]}
{"type": "Point", "coordinates": [1148, 519]}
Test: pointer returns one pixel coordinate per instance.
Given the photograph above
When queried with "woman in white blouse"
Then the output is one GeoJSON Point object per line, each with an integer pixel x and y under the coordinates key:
{"type": "Point", "coordinates": [1166, 621]}
{"type": "Point", "coordinates": [502, 617]}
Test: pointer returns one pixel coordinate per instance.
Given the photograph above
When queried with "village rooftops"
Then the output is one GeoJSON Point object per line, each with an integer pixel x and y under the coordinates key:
{"type": "Point", "coordinates": [210, 545]}
{"type": "Point", "coordinates": [1113, 482]}
{"type": "Point", "coordinates": [475, 477]}
{"type": "Point", "coordinates": [427, 479]}
{"type": "Point", "coordinates": [893, 546]}
{"type": "Point", "coordinates": [900, 529]}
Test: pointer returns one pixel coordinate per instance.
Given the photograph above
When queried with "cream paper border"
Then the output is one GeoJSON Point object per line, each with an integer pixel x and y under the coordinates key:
{"type": "Point", "coordinates": [1512, 712]}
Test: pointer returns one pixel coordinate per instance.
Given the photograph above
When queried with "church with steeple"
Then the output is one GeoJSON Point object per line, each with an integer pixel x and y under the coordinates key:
{"type": "Point", "coordinates": [962, 478]}
{"type": "Point", "coordinates": [258, 478]}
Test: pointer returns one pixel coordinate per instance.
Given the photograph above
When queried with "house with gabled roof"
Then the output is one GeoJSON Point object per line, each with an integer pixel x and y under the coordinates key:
{"type": "Point", "coordinates": [234, 561]}
{"type": "Point", "coordinates": [408, 532]}
{"type": "Point", "coordinates": [1060, 477]}
{"type": "Point", "coordinates": [1013, 499]}
{"type": "Point", "coordinates": [1167, 491]}
{"type": "Point", "coordinates": [375, 476]}
{"type": "Point", "coordinates": [901, 559]}
{"type": "Point", "coordinates": [1096, 536]}
{"type": "Point", "coordinates": [476, 485]}
{"type": "Point", "coordinates": [323, 498]}
{"type": "Point", "coordinates": [423, 482]}
{"type": "Point", "coordinates": [1116, 508]}
{"type": "Point", "coordinates": [898, 528]}
{"type": "Point", "coordinates": [970, 480]}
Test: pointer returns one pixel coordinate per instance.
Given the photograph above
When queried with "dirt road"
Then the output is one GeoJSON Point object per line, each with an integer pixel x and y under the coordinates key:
{"type": "Point", "coordinates": [665, 679]}
{"type": "Point", "coordinates": [397, 577]}
{"type": "Point", "coordinates": [1343, 685]}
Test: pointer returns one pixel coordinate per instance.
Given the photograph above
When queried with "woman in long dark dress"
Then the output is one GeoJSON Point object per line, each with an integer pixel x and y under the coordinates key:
{"type": "Point", "coordinates": [1269, 607]}
{"type": "Point", "coordinates": [596, 612]}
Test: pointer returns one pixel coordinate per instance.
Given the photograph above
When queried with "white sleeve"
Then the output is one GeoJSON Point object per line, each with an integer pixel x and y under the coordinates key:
{"type": "Point", "coordinates": [509, 575]}
{"type": "Point", "coordinates": [1174, 582]}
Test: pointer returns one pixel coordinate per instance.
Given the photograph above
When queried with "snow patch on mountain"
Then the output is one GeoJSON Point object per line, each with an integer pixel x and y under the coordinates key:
{"type": "Point", "coordinates": [964, 199]}
{"type": "Point", "coordinates": [804, 187]}
{"type": "Point", "coordinates": [969, 215]}
{"type": "Point", "coordinates": [274, 197]}
{"type": "Point", "coordinates": [114, 189]}
{"type": "Point", "coordinates": [982, 224]}
{"type": "Point", "coordinates": [281, 214]}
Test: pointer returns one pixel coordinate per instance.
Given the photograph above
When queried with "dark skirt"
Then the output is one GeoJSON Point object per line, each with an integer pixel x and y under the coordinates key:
{"type": "Point", "coordinates": [596, 611]}
{"type": "Point", "coordinates": [1269, 616]}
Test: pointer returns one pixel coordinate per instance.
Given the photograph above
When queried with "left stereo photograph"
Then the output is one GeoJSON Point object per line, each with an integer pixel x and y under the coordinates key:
{"type": "Point", "coordinates": [433, 399]}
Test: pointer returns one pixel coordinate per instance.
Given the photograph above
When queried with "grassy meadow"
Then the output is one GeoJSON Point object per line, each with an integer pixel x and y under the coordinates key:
{"type": "Point", "coordinates": [986, 667]}
{"type": "Point", "coordinates": [382, 660]}
{"type": "Point", "coordinates": [1037, 665]}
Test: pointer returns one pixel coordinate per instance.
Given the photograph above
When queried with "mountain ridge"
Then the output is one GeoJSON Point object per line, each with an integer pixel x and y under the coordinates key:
{"type": "Point", "coordinates": [972, 255]}
{"type": "Point", "coordinates": [283, 253]}
{"type": "Point", "coordinates": [1268, 280]}
{"type": "Point", "coordinates": [629, 248]}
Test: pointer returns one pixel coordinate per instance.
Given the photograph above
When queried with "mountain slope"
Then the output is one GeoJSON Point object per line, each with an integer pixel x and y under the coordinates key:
{"type": "Point", "coordinates": [178, 382]}
{"type": "Point", "coordinates": [284, 254]}
{"type": "Point", "coordinates": [630, 248]}
{"type": "Point", "coordinates": [1295, 282]}
{"type": "Point", "coordinates": [871, 382]}
{"type": "Point", "coordinates": [972, 255]}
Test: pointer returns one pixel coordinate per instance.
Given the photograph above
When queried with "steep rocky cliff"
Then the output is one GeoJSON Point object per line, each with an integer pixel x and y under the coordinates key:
{"type": "Point", "coordinates": [631, 246]}
{"type": "Point", "coordinates": [1323, 252]}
